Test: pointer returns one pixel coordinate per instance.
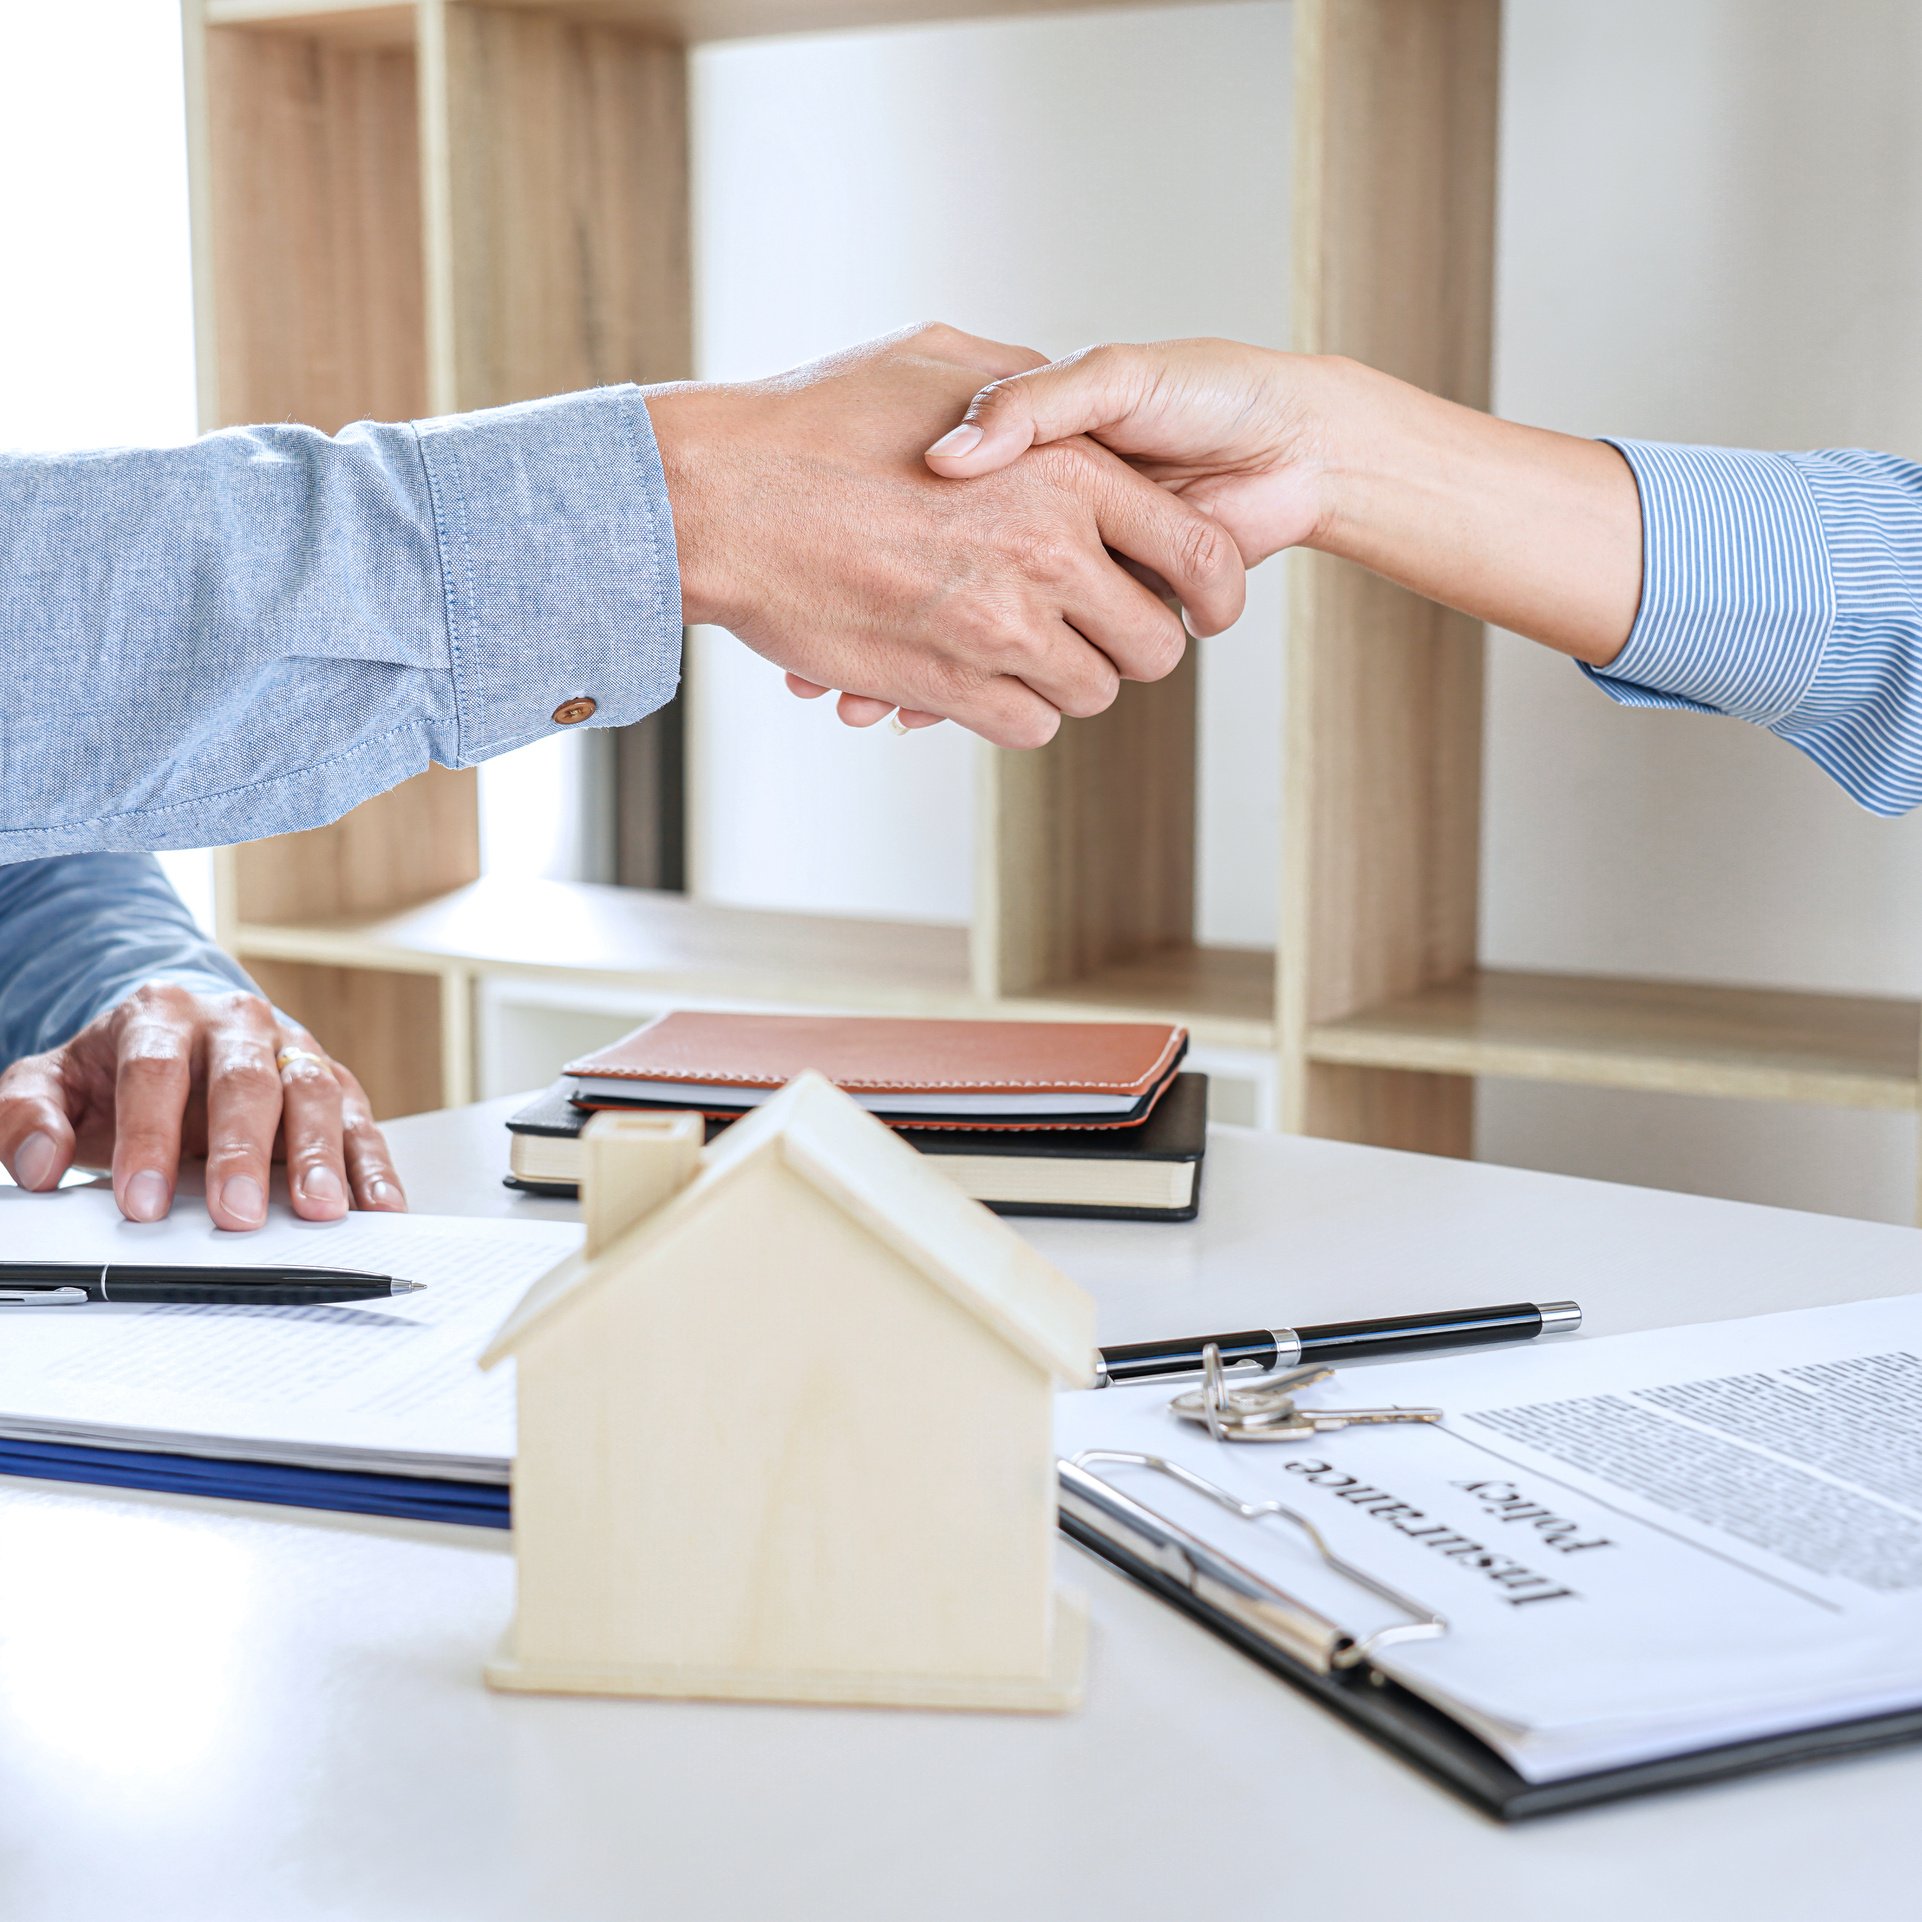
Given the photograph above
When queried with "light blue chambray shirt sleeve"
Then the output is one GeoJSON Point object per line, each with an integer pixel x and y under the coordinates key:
{"type": "Point", "coordinates": [1785, 589]}
{"type": "Point", "coordinates": [79, 933]}
{"type": "Point", "coordinates": [252, 633]}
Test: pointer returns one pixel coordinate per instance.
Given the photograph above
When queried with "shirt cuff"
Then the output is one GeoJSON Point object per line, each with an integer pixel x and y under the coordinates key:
{"type": "Point", "coordinates": [1738, 596]}
{"type": "Point", "coordinates": [558, 565]}
{"type": "Point", "coordinates": [200, 969]}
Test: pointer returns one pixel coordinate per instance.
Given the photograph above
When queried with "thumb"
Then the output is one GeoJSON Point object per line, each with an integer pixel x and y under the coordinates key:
{"type": "Point", "coordinates": [1083, 394]}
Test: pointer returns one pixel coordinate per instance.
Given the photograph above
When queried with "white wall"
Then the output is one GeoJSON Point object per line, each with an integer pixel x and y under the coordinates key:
{"type": "Point", "coordinates": [96, 292]}
{"type": "Point", "coordinates": [1711, 229]}
{"type": "Point", "coordinates": [1052, 181]}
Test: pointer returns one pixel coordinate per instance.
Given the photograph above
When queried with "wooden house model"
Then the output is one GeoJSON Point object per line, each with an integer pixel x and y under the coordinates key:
{"type": "Point", "coordinates": [786, 1426]}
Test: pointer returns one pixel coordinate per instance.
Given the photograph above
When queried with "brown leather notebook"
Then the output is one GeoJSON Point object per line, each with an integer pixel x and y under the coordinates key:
{"type": "Point", "coordinates": [1149, 1173]}
{"type": "Point", "coordinates": [955, 1074]}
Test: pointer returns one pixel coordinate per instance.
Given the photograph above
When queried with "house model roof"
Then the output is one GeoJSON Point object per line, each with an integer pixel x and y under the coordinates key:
{"type": "Point", "coordinates": [860, 1165]}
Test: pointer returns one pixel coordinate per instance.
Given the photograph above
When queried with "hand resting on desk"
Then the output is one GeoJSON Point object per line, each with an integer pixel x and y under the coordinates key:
{"type": "Point", "coordinates": [167, 1072]}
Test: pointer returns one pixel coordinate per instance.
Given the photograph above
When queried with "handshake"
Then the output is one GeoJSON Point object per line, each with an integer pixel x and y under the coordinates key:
{"type": "Point", "coordinates": [924, 523]}
{"type": "Point", "coordinates": [954, 528]}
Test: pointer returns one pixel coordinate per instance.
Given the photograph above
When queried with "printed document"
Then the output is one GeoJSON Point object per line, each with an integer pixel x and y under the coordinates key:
{"type": "Point", "coordinates": [1643, 1544]}
{"type": "Point", "coordinates": [382, 1386]}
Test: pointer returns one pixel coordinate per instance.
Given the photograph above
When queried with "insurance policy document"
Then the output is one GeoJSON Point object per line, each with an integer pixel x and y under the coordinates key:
{"type": "Point", "coordinates": [380, 1386]}
{"type": "Point", "coordinates": [1643, 1544]}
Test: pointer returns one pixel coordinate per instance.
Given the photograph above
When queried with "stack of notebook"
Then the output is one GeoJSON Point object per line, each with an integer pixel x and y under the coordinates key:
{"type": "Point", "coordinates": [1035, 1118]}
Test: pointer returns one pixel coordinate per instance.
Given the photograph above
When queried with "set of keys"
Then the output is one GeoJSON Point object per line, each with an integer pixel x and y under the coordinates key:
{"type": "Point", "coordinates": [1264, 1409]}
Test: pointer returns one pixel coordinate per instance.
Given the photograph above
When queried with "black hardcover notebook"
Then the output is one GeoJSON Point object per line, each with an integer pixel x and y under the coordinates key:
{"type": "Point", "coordinates": [1148, 1173]}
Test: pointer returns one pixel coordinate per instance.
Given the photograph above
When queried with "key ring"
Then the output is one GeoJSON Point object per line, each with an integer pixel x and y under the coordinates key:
{"type": "Point", "coordinates": [1263, 1408]}
{"type": "Point", "coordinates": [1251, 1402]}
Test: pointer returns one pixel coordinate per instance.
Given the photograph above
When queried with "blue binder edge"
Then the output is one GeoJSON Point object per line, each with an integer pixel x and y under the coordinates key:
{"type": "Point", "coordinates": [409, 1497]}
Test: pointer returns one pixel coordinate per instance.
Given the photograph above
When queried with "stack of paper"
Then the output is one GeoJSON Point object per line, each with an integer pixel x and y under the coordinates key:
{"type": "Point", "coordinates": [382, 1389]}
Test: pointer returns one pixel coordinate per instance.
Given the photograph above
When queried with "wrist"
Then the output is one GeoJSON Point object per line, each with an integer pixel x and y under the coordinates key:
{"type": "Point", "coordinates": [1360, 425]}
{"type": "Point", "coordinates": [1533, 531]}
{"type": "Point", "coordinates": [700, 428]}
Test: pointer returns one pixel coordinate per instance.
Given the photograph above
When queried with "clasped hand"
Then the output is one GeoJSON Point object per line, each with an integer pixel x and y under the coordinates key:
{"type": "Point", "coordinates": [808, 523]}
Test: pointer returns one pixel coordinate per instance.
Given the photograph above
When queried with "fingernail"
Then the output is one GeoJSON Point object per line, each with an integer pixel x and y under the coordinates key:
{"type": "Point", "coordinates": [321, 1184]}
{"type": "Point", "coordinates": [147, 1196]}
{"type": "Point", "coordinates": [958, 440]}
{"type": "Point", "coordinates": [243, 1198]}
{"type": "Point", "coordinates": [383, 1194]}
{"type": "Point", "coordinates": [33, 1163]}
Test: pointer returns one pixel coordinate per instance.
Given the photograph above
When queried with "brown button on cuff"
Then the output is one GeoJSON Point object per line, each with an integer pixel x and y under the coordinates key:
{"type": "Point", "coordinates": [573, 713]}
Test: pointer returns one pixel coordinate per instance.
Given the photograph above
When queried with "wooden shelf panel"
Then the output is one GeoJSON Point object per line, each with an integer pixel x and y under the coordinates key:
{"type": "Point", "coordinates": [581, 932]}
{"type": "Point", "coordinates": [354, 23]}
{"type": "Point", "coordinates": [1226, 995]}
{"type": "Point", "coordinates": [665, 943]}
{"type": "Point", "coordinates": [680, 22]}
{"type": "Point", "coordinates": [1680, 1037]}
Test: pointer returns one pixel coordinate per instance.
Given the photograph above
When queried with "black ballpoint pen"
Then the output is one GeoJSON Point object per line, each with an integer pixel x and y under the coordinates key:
{"type": "Point", "coordinates": [1335, 1342]}
{"type": "Point", "coordinates": [53, 1284]}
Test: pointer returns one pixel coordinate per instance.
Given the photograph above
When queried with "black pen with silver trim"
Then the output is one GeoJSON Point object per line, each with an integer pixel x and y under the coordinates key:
{"type": "Point", "coordinates": [1331, 1344]}
{"type": "Point", "coordinates": [61, 1284]}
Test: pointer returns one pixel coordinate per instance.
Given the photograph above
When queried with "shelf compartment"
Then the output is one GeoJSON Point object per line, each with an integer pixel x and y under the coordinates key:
{"type": "Point", "coordinates": [1225, 995]}
{"type": "Point", "coordinates": [1085, 862]}
{"type": "Point", "coordinates": [1850, 1051]}
{"type": "Point", "coordinates": [583, 933]}
{"type": "Point", "coordinates": [629, 937]}
{"type": "Point", "coordinates": [311, 290]}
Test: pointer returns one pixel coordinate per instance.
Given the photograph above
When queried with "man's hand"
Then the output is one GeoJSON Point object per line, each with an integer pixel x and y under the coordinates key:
{"type": "Point", "coordinates": [169, 1072]}
{"type": "Point", "coordinates": [807, 522]}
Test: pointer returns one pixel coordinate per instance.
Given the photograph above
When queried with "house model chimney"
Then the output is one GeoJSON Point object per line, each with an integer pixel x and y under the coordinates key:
{"type": "Point", "coordinates": [634, 1163]}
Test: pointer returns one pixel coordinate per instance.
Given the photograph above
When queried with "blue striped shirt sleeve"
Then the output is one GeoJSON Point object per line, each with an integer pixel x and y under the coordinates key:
{"type": "Point", "coordinates": [1785, 589]}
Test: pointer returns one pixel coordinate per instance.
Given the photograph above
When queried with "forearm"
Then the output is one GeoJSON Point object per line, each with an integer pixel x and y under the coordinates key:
{"type": "Point", "coordinates": [1781, 589]}
{"type": "Point", "coordinates": [77, 934]}
{"type": "Point", "coordinates": [253, 633]}
{"type": "Point", "coordinates": [1537, 532]}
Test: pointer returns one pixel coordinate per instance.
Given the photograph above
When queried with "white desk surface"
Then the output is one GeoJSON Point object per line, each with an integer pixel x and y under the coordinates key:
{"type": "Point", "coordinates": [219, 1711]}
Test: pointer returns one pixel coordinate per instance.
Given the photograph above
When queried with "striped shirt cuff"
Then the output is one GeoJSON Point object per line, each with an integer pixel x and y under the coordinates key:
{"type": "Point", "coordinates": [1785, 589]}
{"type": "Point", "coordinates": [1738, 601]}
{"type": "Point", "coordinates": [1861, 719]}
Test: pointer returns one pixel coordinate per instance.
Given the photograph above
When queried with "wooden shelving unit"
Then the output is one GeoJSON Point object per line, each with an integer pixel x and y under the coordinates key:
{"type": "Point", "coordinates": [419, 208]}
{"type": "Point", "coordinates": [422, 207]}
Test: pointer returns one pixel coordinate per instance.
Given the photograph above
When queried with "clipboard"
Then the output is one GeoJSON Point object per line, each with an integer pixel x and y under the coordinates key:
{"type": "Point", "coordinates": [1333, 1666]}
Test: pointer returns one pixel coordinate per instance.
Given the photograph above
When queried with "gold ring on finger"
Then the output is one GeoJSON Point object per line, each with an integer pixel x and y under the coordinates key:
{"type": "Point", "coordinates": [287, 1057]}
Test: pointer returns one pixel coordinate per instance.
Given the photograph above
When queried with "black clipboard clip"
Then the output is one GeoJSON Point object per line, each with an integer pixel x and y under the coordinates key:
{"type": "Point", "coordinates": [1221, 1583]}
